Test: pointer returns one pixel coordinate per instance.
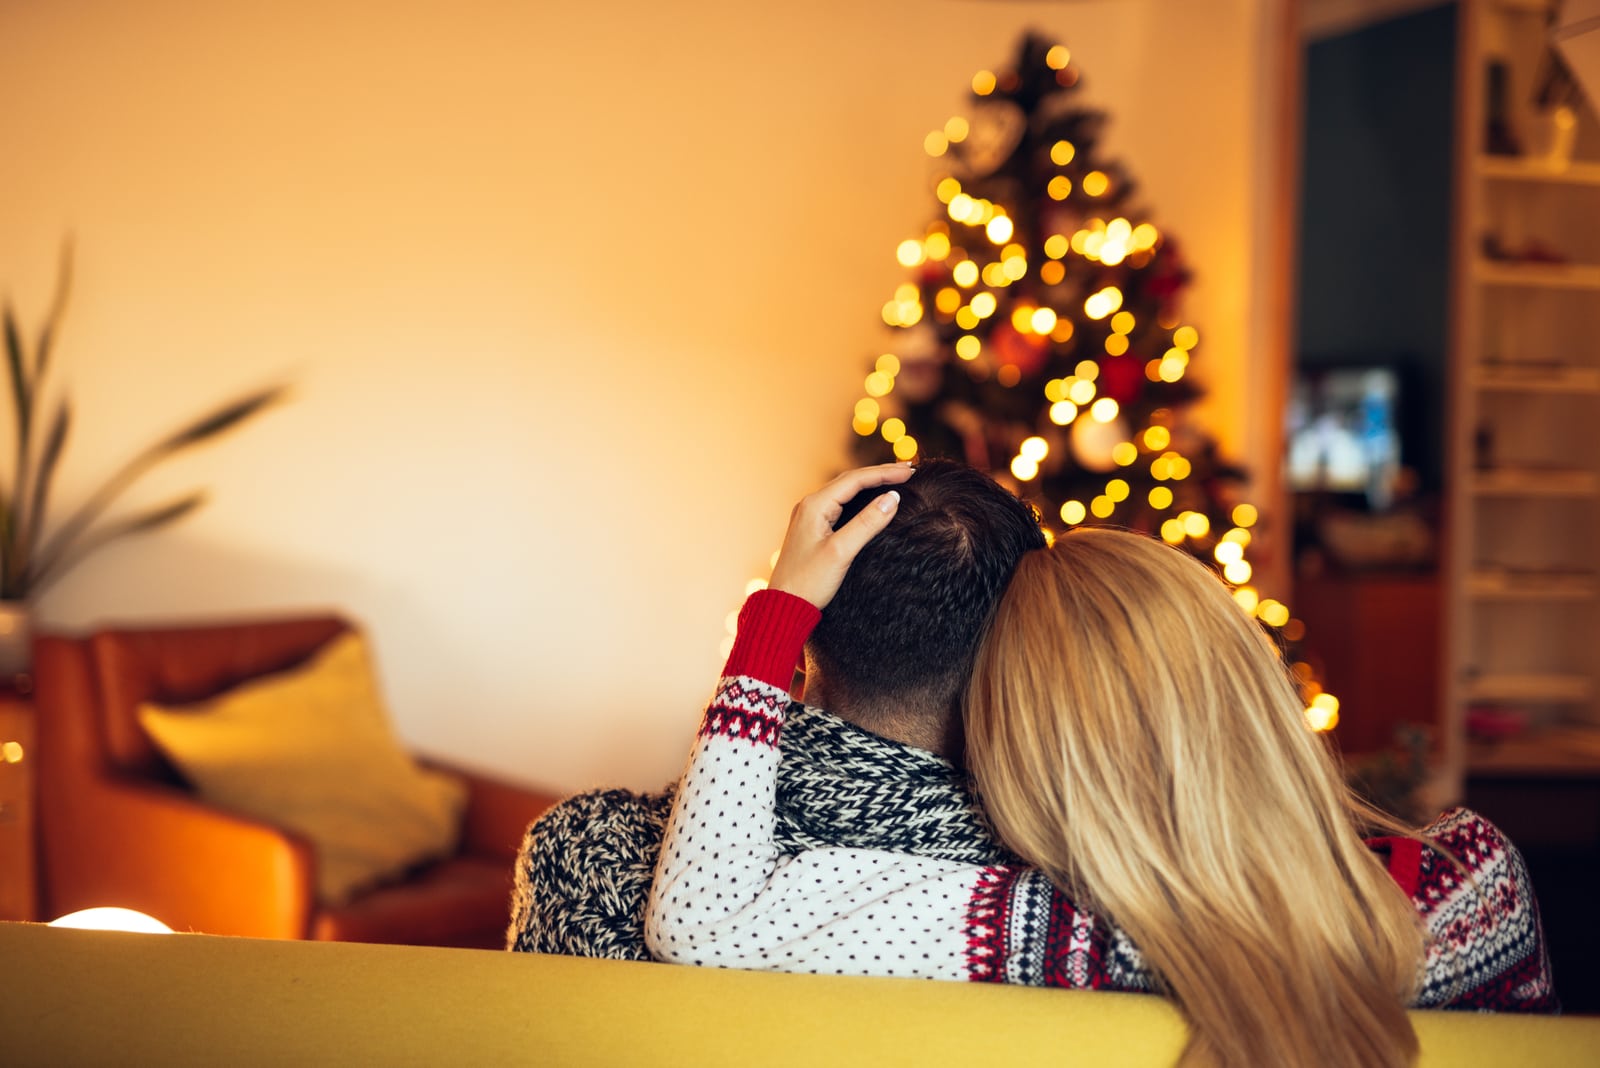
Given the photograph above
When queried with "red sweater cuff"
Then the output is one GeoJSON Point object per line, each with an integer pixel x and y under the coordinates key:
{"type": "Point", "coordinates": [773, 628]}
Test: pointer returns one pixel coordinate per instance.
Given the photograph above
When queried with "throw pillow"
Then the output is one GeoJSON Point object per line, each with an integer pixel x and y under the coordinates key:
{"type": "Point", "coordinates": [310, 750]}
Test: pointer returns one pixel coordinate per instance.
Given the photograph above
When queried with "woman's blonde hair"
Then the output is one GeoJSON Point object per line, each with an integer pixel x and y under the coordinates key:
{"type": "Point", "coordinates": [1137, 737]}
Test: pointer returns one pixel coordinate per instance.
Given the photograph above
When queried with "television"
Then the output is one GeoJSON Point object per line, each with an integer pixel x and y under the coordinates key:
{"type": "Point", "coordinates": [1344, 433]}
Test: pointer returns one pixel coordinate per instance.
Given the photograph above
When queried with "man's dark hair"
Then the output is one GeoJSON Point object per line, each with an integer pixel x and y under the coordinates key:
{"type": "Point", "coordinates": [904, 626]}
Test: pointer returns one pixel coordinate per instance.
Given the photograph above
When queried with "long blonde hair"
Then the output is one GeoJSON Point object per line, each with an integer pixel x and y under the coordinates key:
{"type": "Point", "coordinates": [1137, 738]}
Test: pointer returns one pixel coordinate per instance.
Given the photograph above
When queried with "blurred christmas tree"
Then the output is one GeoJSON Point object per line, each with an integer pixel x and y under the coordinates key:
{"type": "Point", "coordinates": [1040, 336]}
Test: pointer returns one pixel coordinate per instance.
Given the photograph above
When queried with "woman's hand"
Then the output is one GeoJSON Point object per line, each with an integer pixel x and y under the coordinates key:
{"type": "Point", "coordinates": [815, 557]}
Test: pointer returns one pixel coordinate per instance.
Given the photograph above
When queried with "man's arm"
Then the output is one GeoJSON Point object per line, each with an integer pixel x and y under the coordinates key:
{"type": "Point", "coordinates": [583, 875]}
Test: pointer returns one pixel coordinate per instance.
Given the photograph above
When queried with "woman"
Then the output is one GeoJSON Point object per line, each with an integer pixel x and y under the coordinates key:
{"type": "Point", "coordinates": [1136, 739]}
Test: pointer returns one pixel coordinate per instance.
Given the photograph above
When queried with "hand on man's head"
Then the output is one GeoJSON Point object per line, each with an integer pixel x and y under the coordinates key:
{"type": "Point", "coordinates": [815, 557]}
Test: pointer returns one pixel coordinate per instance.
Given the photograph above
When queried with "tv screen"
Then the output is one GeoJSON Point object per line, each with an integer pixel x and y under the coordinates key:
{"type": "Point", "coordinates": [1344, 433]}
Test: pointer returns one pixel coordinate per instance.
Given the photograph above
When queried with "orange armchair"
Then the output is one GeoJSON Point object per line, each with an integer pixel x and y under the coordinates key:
{"type": "Point", "coordinates": [119, 827]}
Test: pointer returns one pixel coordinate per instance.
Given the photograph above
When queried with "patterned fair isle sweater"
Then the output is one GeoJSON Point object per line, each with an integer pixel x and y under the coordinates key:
{"type": "Point", "coordinates": [584, 870]}
{"type": "Point", "coordinates": [727, 895]}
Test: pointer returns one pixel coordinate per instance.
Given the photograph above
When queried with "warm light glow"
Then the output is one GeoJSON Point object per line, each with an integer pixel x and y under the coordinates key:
{"type": "Point", "coordinates": [1044, 321]}
{"type": "Point", "coordinates": [1185, 338]}
{"type": "Point", "coordinates": [1273, 613]}
{"type": "Point", "coordinates": [1063, 331]}
{"type": "Point", "coordinates": [1122, 322]}
{"type": "Point", "coordinates": [1238, 572]}
{"type": "Point", "coordinates": [961, 207]}
{"type": "Point", "coordinates": [1116, 344]}
{"type": "Point", "coordinates": [1117, 489]}
{"type": "Point", "coordinates": [968, 347]}
{"type": "Point", "coordinates": [1323, 713]}
{"type": "Point", "coordinates": [1073, 513]}
{"type": "Point", "coordinates": [1172, 531]}
{"type": "Point", "coordinates": [1080, 391]}
{"type": "Point", "coordinates": [1095, 183]}
{"type": "Point", "coordinates": [967, 319]}
{"type": "Point", "coordinates": [893, 430]}
{"type": "Point", "coordinates": [906, 448]}
{"type": "Point", "coordinates": [730, 622]}
{"type": "Point", "coordinates": [1008, 375]}
{"type": "Point", "coordinates": [107, 918]}
{"type": "Point", "coordinates": [1059, 187]}
{"type": "Point", "coordinates": [947, 300]}
{"type": "Point", "coordinates": [1105, 302]}
{"type": "Point", "coordinates": [865, 427]}
{"type": "Point", "coordinates": [1034, 448]}
{"type": "Point", "coordinates": [1244, 515]}
{"type": "Point", "coordinates": [1056, 246]}
{"type": "Point", "coordinates": [1052, 273]}
{"type": "Point", "coordinates": [956, 129]}
{"type": "Point", "coordinates": [1057, 57]}
{"type": "Point", "coordinates": [910, 253]}
{"type": "Point", "coordinates": [1247, 598]}
{"type": "Point", "coordinates": [984, 304]}
{"type": "Point", "coordinates": [965, 274]}
{"type": "Point", "coordinates": [1160, 498]}
{"type": "Point", "coordinates": [1104, 410]}
{"type": "Point", "coordinates": [11, 752]}
{"type": "Point", "coordinates": [936, 144]}
{"type": "Point", "coordinates": [1102, 507]}
{"type": "Point", "coordinates": [1144, 236]}
{"type": "Point", "coordinates": [878, 384]}
{"type": "Point", "coordinates": [1061, 153]}
{"type": "Point", "coordinates": [1024, 469]}
{"type": "Point", "coordinates": [983, 82]}
{"type": "Point", "coordinates": [1124, 453]}
{"type": "Point", "coordinates": [1000, 229]}
{"type": "Point", "coordinates": [1063, 412]}
{"type": "Point", "coordinates": [947, 190]}
{"type": "Point", "coordinates": [1159, 437]}
{"type": "Point", "coordinates": [1087, 370]}
{"type": "Point", "coordinates": [1195, 524]}
{"type": "Point", "coordinates": [867, 408]}
{"type": "Point", "coordinates": [1228, 552]}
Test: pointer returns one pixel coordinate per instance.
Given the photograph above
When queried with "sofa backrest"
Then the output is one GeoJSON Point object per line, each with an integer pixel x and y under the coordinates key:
{"type": "Point", "coordinates": [182, 665]}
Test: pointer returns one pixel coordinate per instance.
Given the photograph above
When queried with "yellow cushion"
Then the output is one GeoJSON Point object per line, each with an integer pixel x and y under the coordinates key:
{"type": "Point", "coordinates": [310, 750]}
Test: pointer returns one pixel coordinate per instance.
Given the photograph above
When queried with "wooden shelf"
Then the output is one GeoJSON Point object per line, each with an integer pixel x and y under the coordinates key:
{"type": "Point", "coordinates": [1537, 275]}
{"type": "Point", "coordinates": [1530, 169]}
{"type": "Point", "coordinates": [1510, 376]}
{"type": "Point", "coordinates": [1531, 688]}
{"type": "Point", "coordinates": [1553, 752]}
{"type": "Point", "coordinates": [1535, 482]}
{"type": "Point", "coordinates": [1502, 584]}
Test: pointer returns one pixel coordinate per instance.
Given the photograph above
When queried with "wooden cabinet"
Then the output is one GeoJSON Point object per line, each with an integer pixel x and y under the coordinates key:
{"type": "Point", "coordinates": [18, 848]}
{"type": "Point", "coordinates": [1522, 647]}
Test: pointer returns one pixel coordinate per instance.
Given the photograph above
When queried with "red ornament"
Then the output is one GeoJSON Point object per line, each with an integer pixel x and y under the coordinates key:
{"type": "Point", "coordinates": [1121, 378]}
{"type": "Point", "coordinates": [1025, 352]}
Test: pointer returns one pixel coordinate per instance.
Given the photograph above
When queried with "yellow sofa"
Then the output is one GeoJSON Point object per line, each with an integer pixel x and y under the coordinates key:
{"type": "Point", "coordinates": [71, 997]}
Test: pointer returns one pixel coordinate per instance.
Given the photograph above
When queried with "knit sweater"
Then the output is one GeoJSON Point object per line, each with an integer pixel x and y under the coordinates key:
{"type": "Point", "coordinates": [583, 873]}
{"type": "Point", "coordinates": [726, 895]}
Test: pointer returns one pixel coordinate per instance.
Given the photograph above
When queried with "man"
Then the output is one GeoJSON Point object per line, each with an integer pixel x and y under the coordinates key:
{"type": "Point", "coordinates": [878, 770]}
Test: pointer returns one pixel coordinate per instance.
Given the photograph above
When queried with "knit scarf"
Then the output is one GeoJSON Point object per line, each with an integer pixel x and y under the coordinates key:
{"type": "Point", "coordinates": [584, 871]}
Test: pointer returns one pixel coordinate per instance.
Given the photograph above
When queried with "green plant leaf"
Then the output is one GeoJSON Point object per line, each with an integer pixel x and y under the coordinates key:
{"type": "Point", "coordinates": [61, 545]}
{"type": "Point", "coordinates": [136, 524]}
{"type": "Point", "coordinates": [55, 443]}
{"type": "Point", "coordinates": [52, 322]}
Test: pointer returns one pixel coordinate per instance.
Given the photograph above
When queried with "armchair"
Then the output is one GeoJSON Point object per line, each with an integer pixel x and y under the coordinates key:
{"type": "Point", "coordinates": [118, 826]}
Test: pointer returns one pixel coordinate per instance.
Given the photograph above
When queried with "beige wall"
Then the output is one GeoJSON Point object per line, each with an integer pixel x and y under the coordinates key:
{"type": "Point", "coordinates": [576, 299]}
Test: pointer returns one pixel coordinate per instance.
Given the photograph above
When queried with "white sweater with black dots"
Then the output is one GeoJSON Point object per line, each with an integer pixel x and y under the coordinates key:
{"type": "Point", "coordinates": [725, 897]}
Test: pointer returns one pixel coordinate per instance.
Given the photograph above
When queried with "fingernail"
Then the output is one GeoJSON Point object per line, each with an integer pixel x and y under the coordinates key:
{"type": "Point", "coordinates": [887, 502]}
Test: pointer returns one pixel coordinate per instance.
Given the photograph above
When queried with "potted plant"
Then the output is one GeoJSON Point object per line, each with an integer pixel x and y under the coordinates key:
{"type": "Point", "coordinates": [34, 551]}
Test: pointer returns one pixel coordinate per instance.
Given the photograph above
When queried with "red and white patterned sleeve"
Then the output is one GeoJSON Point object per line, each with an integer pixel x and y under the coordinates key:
{"type": "Point", "coordinates": [723, 895]}
{"type": "Point", "coordinates": [1486, 947]}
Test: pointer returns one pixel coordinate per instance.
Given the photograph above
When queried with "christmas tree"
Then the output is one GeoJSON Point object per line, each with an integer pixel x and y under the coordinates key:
{"type": "Point", "coordinates": [1040, 335]}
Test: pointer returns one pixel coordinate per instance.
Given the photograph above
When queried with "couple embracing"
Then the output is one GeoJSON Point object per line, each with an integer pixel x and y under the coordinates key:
{"type": "Point", "coordinates": [1154, 815]}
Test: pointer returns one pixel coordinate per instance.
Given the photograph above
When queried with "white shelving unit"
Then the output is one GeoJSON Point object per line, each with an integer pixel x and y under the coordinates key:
{"type": "Point", "coordinates": [1522, 568]}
